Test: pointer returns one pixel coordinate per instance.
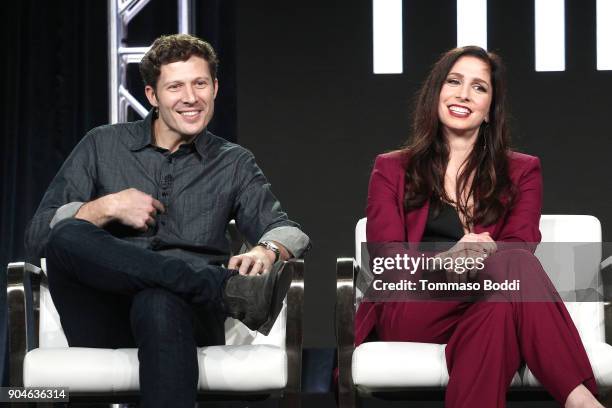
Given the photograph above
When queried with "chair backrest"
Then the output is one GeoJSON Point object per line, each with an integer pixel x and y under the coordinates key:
{"type": "Point", "coordinates": [580, 235]}
{"type": "Point", "coordinates": [51, 334]}
{"type": "Point", "coordinates": [570, 230]}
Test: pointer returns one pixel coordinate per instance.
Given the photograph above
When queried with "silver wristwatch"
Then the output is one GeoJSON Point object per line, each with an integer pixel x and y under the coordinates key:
{"type": "Point", "coordinates": [272, 247]}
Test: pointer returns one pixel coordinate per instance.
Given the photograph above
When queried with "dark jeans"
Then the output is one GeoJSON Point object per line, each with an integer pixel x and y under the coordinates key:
{"type": "Point", "coordinates": [112, 294]}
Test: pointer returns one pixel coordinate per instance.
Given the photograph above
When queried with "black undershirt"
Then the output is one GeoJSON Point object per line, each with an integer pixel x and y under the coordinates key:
{"type": "Point", "coordinates": [445, 227]}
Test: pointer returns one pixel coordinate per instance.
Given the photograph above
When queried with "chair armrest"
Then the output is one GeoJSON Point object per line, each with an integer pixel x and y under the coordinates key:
{"type": "Point", "coordinates": [606, 277]}
{"type": "Point", "coordinates": [345, 336]}
{"type": "Point", "coordinates": [23, 301]}
{"type": "Point", "coordinates": [294, 333]}
{"type": "Point", "coordinates": [295, 306]}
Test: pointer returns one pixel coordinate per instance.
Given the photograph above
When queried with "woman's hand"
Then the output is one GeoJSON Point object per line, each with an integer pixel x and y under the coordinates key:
{"type": "Point", "coordinates": [472, 246]}
{"type": "Point", "coordinates": [477, 242]}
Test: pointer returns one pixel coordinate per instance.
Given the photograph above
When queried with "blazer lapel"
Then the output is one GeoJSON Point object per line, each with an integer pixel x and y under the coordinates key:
{"type": "Point", "coordinates": [415, 223]}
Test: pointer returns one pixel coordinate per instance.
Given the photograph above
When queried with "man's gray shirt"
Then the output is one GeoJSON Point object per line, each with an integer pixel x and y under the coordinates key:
{"type": "Point", "coordinates": [203, 185]}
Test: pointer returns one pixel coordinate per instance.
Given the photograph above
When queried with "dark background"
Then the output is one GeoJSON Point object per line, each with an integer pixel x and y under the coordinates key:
{"type": "Point", "coordinates": [296, 87]}
{"type": "Point", "coordinates": [316, 117]}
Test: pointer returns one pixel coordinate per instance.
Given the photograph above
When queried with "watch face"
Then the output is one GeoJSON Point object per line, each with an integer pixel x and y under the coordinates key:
{"type": "Point", "coordinates": [269, 245]}
{"type": "Point", "coordinates": [272, 247]}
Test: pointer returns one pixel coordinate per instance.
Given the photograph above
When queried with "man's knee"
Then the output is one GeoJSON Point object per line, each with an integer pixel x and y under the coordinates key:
{"type": "Point", "coordinates": [159, 312]}
{"type": "Point", "coordinates": [66, 233]}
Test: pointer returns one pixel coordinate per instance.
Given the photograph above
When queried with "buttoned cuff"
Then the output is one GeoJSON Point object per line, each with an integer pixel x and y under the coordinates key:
{"type": "Point", "coordinates": [292, 238]}
{"type": "Point", "coordinates": [65, 211]}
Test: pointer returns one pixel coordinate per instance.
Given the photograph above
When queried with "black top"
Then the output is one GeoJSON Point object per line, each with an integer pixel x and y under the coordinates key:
{"type": "Point", "coordinates": [446, 227]}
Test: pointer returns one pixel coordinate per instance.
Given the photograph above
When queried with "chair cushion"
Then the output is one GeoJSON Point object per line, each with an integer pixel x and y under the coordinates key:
{"type": "Point", "coordinates": [52, 335]}
{"type": "Point", "coordinates": [399, 365]}
{"type": "Point", "coordinates": [222, 368]}
{"type": "Point", "coordinates": [600, 356]}
{"type": "Point", "coordinates": [379, 365]}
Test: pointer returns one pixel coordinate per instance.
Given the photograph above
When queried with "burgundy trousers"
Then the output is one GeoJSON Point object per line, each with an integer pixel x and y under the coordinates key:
{"type": "Point", "coordinates": [487, 341]}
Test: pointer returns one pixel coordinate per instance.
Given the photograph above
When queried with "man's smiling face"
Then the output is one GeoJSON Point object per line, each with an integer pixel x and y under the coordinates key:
{"type": "Point", "coordinates": [185, 97]}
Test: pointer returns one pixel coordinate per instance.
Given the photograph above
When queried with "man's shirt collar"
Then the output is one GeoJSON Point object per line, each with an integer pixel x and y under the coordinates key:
{"type": "Point", "coordinates": [201, 141]}
{"type": "Point", "coordinates": [144, 136]}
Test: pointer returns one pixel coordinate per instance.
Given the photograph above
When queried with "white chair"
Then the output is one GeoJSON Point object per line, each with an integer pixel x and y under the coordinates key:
{"type": "Point", "coordinates": [418, 370]}
{"type": "Point", "coordinates": [249, 366]}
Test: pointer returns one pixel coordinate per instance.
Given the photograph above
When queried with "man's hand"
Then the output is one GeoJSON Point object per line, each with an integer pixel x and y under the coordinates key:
{"type": "Point", "coordinates": [135, 209]}
{"type": "Point", "coordinates": [255, 262]}
{"type": "Point", "coordinates": [130, 207]}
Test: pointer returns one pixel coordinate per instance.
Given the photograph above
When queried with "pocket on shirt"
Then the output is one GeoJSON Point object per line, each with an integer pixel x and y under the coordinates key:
{"type": "Point", "coordinates": [204, 218]}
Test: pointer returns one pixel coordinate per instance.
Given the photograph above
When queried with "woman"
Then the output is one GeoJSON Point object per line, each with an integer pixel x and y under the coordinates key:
{"type": "Point", "coordinates": [459, 181]}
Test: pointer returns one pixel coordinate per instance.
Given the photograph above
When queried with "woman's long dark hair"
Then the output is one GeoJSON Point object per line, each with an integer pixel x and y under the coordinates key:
{"type": "Point", "coordinates": [491, 187]}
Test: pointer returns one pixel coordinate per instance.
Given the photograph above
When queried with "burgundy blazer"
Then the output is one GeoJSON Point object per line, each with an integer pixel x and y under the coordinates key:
{"type": "Point", "coordinates": [388, 222]}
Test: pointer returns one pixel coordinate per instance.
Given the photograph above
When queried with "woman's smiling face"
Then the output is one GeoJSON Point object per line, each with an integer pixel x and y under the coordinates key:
{"type": "Point", "coordinates": [465, 97]}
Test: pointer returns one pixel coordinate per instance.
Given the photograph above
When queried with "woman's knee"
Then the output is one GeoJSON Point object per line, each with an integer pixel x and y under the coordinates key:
{"type": "Point", "coordinates": [515, 255]}
{"type": "Point", "coordinates": [515, 261]}
{"type": "Point", "coordinates": [499, 311]}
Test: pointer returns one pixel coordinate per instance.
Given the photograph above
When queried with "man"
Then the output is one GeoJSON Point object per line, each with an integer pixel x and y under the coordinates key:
{"type": "Point", "coordinates": [133, 229]}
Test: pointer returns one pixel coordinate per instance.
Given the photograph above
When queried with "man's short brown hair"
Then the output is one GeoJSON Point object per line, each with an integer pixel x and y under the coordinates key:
{"type": "Point", "coordinates": [172, 48]}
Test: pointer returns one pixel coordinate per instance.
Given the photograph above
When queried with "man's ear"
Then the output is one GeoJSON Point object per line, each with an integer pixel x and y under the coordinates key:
{"type": "Point", "coordinates": [151, 96]}
{"type": "Point", "coordinates": [216, 87]}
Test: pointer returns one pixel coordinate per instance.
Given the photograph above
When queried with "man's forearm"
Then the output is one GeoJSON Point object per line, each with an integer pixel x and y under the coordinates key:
{"type": "Point", "coordinates": [98, 212]}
